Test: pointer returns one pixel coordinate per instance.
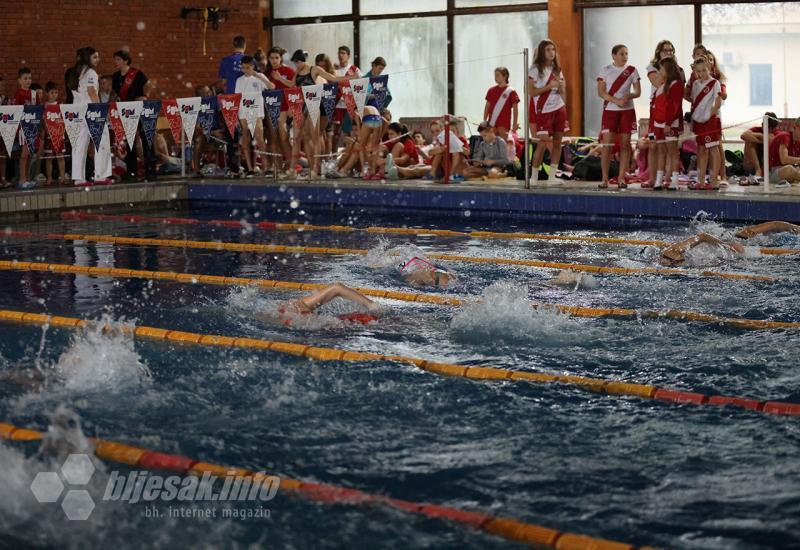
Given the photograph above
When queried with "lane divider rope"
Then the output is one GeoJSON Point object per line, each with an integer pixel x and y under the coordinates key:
{"type": "Point", "coordinates": [273, 226]}
{"type": "Point", "coordinates": [599, 385]}
{"type": "Point", "coordinates": [281, 249]}
{"type": "Point", "coordinates": [506, 528]}
{"type": "Point", "coordinates": [289, 286]}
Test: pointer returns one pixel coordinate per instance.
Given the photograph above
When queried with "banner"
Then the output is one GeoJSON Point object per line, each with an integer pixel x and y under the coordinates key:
{"type": "Point", "coordinates": [208, 113]}
{"type": "Point", "coordinates": [380, 89]}
{"type": "Point", "coordinates": [31, 124]}
{"type": "Point", "coordinates": [329, 92]}
{"type": "Point", "coordinates": [170, 109]}
{"type": "Point", "coordinates": [272, 105]}
{"type": "Point", "coordinates": [55, 126]}
{"type": "Point", "coordinates": [313, 96]}
{"type": "Point", "coordinates": [129, 113]}
{"type": "Point", "coordinates": [10, 116]}
{"type": "Point", "coordinates": [74, 117]}
{"type": "Point", "coordinates": [116, 123]}
{"type": "Point", "coordinates": [349, 100]}
{"type": "Point", "coordinates": [149, 119]}
{"type": "Point", "coordinates": [229, 107]}
{"type": "Point", "coordinates": [96, 117]}
{"type": "Point", "coordinates": [189, 108]}
{"type": "Point", "coordinates": [359, 87]}
{"type": "Point", "coordinates": [251, 109]}
{"type": "Point", "coordinates": [294, 98]}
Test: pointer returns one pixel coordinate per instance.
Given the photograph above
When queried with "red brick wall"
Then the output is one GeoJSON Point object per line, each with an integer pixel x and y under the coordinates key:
{"type": "Point", "coordinates": [44, 34]}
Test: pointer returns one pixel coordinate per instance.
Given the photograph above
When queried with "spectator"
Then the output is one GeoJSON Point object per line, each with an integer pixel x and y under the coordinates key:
{"type": "Point", "coordinates": [260, 61]}
{"type": "Point", "coordinates": [547, 108]}
{"type": "Point", "coordinates": [753, 145]}
{"type": "Point", "coordinates": [131, 84]}
{"type": "Point", "coordinates": [706, 101]}
{"type": "Point", "coordinates": [491, 155]}
{"type": "Point", "coordinates": [784, 155]}
{"type": "Point", "coordinates": [402, 151]}
{"type": "Point", "coordinates": [25, 95]}
{"type": "Point", "coordinates": [230, 69]}
{"type": "Point", "coordinates": [106, 93]}
{"type": "Point", "coordinates": [51, 98]}
{"type": "Point", "coordinates": [502, 105]}
{"type": "Point", "coordinates": [341, 120]}
{"type": "Point", "coordinates": [325, 146]}
{"type": "Point", "coordinates": [667, 120]}
{"type": "Point", "coordinates": [4, 184]}
{"type": "Point", "coordinates": [252, 82]}
{"type": "Point", "coordinates": [377, 68]}
{"type": "Point", "coordinates": [437, 153]}
{"type": "Point", "coordinates": [282, 77]}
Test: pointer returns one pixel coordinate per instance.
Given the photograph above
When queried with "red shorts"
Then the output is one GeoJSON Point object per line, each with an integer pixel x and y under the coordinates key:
{"type": "Point", "coordinates": [619, 122]}
{"type": "Point", "coordinates": [708, 133]}
{"type": "Point", "coordinates": [338, 115]}
{"type": "Point", "coordinates": [552, 122]}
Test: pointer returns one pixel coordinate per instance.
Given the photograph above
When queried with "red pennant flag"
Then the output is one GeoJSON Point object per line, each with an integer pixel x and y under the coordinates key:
{"type": "Point", "coordinates": [349, 100]}
{"type": "Point", "coordinates": [170, 109]}
{"type": "Point", "coordinates": [294, 98]}
{"type": "Point", "coordinates": [54, 123]}
{"type": "Point", "coordinates": [229, 107]}
{"type": "Point", "coordinates": [115, 122]}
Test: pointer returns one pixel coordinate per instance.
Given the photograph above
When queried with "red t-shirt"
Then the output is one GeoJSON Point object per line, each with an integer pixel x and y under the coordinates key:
{"type": "Point", "coordinates": [286, 72]}
{"type": "Point", "coordinates": [782, 138]}
{"type": "Point", "coordinates": [409, 148]}
{"type": "Point", "coordinates": [25, 97]}
{"type": "Point", "coordinates": [504, 117]}
{"type": "Point", "coordinates": [667, 105]}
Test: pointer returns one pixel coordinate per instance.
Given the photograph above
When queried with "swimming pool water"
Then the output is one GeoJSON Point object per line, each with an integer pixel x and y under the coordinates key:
{"type": "Point", "coordinates": [626, 469]}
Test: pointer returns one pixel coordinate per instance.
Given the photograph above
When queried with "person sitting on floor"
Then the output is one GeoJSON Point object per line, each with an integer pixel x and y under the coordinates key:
{"type": "Point", "coordinates": [491, 156]}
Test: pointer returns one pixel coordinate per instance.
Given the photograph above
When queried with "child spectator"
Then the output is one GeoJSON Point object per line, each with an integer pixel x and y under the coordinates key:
{"type": "Point", "coordinates": [25, 96]}
{"type": "Point", "coordinates": [706, 102]}
{"type": "Point", "coordinates": [548, 110]}
{"type": "Point", "coordinates": [131, 84]}
{"type": "Point", "coordinates": [283, 77]}
{"type": "Point", "coordinates": [667, 121]}
{"type": "Point", "coordinates": [4, 184]}
{"type": "Point", "coordinates": [491, 155]}
{"type": "Point", "coordinates": [437, 153]}
{"type": "Point", "coordinates": [252, 82]}
{"type": "Point", "coordinates": [51, 98]}
{"type": "Point", "coordinates": [106, 92]}
{"type": "Point", "coordinates": [753, 146]}
{"type": "Point", "coordinates": [784, 156]}
{"type": "Point", "coordinates": [502, 105]}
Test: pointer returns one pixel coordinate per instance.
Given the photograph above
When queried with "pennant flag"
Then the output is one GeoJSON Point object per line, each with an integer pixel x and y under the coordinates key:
{"type": "Point", "coordinates": [313, 96]}
{"type": "Point", "coordinates": [55, 126]}
{"type": "Point", "coordinates": [329, 92]}
{"type": "Point", "coordinates": [74, 117]}
{"type": "Point", "coordinates": [129, 113]}
{"type": "Point", "coordinates": [10, 117]}
{"type": "Point", "coordinates": [229, 107]}
{"type": "Point", "coordinates": [380, 89]}
{"type": "Point", "coordinates": [272, 104]}
{"type": "Point", "coordinates": [294, 98]}
{"type": "Point", "coordinates": [170, 108]}
{"type": "Point", "coordinates": [149, 118]}
{"type": "Point", "coordinates": [359, 87]}
{"type": "Point", "coordinates": [115, 122]}
{"type": "Point", "coordinates": [96, 117]}
{"type": "Point", "coordinates": [207, 114]}
{"type": "Point", "coordinates": [189, 108]}
{"type": "Point", "coordinates": [251, 109]}
{"type": "Point", "coordinates": [349, 100]}
{"type": "Point", "coordinates": [31, 124]}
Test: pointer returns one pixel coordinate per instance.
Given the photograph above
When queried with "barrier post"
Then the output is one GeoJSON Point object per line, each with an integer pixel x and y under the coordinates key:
{"type": "Point", "coordinates": [765, 164]}
{"type": "Point", "coordinates": [525, 122]}
{"type": "Point", "coordinates": [183, 153]}
{"type": "Point", "coordinates": [446, 154]}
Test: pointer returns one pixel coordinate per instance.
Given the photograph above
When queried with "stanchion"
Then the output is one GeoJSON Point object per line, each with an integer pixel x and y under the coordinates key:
{"type": "Point", "coordinates": [183, 154]}
{"type": "Point", "coordinates": [526, 115]}
{"type": "Point", "coordinates": [446, 154]}
{"type": "Point", "coordinates": [765, 130]}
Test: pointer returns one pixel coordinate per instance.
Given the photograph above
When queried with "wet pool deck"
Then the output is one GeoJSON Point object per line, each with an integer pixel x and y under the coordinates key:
{"type": "Point", "coordinates": [571, 202]}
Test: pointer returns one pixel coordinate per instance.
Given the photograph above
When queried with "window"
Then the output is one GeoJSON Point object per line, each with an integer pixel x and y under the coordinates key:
{"type": "Point", "coordinates": [316, 38]}
{"type": "Point", "coordinates": [380, 7]}
{"type": "Point", "coordinates": [761, 84]}
{"type": "Point", "coordinates": [311, 8]}
{"type": "Point", "coordinates": [482, 3]}
{"type": "Point", "coordinates": [645, 27]}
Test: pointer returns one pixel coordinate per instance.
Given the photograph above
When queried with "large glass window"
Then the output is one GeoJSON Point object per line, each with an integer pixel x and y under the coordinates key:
{"type": "Point", "coordinates": [481, 3]}
{"type": "Point", "coordinates": [316, 38]}
{"type": "Point", "coordinates": [311, 8]}
{"type": "Point", "coordinates": [644, 28]}
{"type": "Point", "coordinates": [416, 53]}
{"type": "Point", "coordinates": [756, 46]}
{"type": "Point", "coordinates": [476, 57]}
{"type": "Point", "coordinates": [380, 7]}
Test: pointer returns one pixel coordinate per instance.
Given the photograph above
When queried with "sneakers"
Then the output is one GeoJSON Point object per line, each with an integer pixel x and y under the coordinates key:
{"type": "Point", "coordinates": [673, 186]}
{"type": "Point", "coordinates": [658, 186]}
{"type": "Point", "coordinates": [782, 184]}
{"type": "Point", "coordinates": [26, 185]}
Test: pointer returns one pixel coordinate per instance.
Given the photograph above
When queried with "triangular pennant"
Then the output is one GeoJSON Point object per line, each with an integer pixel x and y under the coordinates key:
{"type": "Point", "coordinates": [329, 93]}
{"type": "Point", "coordinates": [74, 117]}
{"type": "Point", "coordinates": [170, 108]}
{"type": "Point", "coordinates": [294, 98]}
{"type": "Point", "coordinates": [348, 99]}
{"type": "Point", "coordinates": [129, 113]}
{"type": "Point", "coordinates": [115, 122]}
{"type": "Point", "coordinates": [10, 117]}
{"type": "Point", "coordinates": [312, 95]}
{"type": "Point", "coordinates": [31, 124]}
{"type": "Point", "coordinates": [272, 104]}
{"type": "Point", "coordinates": [359, 87]}
{"type": "Point", "coordinates": [54, 123]}
{"type": "Point", "coordinates": [229, 107]}
{"type": "Point", "coordinates": [189, 108]}
{"type": "Point", "coordinates": [207, 114]}
{"type": "Point", "coordinates": [96, 117]}
{"type": "Point", "coordinates": [379, 89]}
{"type": "Point", "coordinates": [151, 108]}
{"type": "Point", "coordinates": [251, 109]}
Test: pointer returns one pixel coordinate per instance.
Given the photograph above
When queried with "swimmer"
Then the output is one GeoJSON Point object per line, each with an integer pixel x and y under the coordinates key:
{"type": "Point", "coordinates": [676, 253]}
{"type": "Point", "coordinates": [569, 278]}
{"type": "Point", "coordinates": [420, 272]}
{"type": "Point", "coordinates": [308, 304]}
{"type": "Point", "coordinates": [768, 227]}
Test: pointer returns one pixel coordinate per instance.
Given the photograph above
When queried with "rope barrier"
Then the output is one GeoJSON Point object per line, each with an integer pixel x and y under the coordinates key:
{"type": "Point", "coordinates": [507, 528]}
{"type": "Point", "coordinates": [598, 385]}
{"type": "Point", "coordinates": [272, 226]}
{"type": "Point", "coordinates": [280, 249]}
{"type": "Point", "coordinates": [289, 286]}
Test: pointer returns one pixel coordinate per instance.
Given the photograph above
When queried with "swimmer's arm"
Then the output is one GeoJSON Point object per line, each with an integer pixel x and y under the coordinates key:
{"type": "Point", "coordinates": [768, 227]}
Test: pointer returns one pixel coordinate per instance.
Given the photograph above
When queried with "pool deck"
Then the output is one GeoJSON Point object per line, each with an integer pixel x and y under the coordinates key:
{"type": "Point", "coordinates": [572, 202]}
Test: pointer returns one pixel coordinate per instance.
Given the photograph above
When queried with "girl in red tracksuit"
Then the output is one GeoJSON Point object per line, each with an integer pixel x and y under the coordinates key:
{"type": "Point", "coordinates": [667, 117]}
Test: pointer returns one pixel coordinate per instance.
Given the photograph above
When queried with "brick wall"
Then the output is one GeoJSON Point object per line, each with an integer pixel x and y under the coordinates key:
{"type": "Point", "coordinates": [44, 34]}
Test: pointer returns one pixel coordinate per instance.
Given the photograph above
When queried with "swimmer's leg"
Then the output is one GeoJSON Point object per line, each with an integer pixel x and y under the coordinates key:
{"type": "Point", "coordinates": [336, 290]}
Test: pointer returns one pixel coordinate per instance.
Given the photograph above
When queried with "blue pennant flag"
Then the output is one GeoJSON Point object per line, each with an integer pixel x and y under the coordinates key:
{"type": "Point", "coordinates": [329, 93]}
{"type": "Point", "coordinates": [30, 124]}
{"type": "Point", "coordinates": [96, 117]}
{"type": "Point", "coordinates": [272, 103]}
{"type": "Point", "coordinates": [379, 91]}
{"type": "Point", "coordinates": [149, 118]}
{"type": "Point", "coordinates": [208, 113]}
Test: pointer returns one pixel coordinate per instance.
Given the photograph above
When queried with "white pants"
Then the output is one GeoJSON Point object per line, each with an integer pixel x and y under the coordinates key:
{"type": "Point", "coordinates": [102, 156]}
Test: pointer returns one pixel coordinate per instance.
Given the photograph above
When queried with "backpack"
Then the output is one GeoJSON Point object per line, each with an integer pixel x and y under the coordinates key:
{"type": "Point", "coordinates": [590, 169]}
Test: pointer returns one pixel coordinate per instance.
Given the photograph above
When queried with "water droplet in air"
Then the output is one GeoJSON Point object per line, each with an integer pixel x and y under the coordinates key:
{"type": "Point", "coordinates": [294, 204]}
